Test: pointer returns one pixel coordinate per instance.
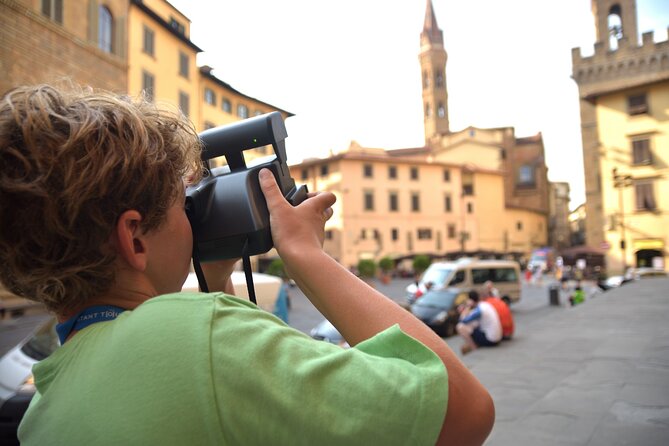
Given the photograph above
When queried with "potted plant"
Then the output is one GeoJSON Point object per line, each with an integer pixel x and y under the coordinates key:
{"type": "Point", "coordinates": [367, 270]}
{"type": "Point", "coordinates": [420, 264]}
{"type": "Point", "coordinates": [386, 265]}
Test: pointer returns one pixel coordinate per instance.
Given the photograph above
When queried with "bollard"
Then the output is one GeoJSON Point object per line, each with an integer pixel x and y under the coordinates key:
{"type": "Point", "coordinates": [554, 294]}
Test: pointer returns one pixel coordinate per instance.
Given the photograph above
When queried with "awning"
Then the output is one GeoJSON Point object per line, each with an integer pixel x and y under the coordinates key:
{"type": "Point", "coordinates": [648, 243]}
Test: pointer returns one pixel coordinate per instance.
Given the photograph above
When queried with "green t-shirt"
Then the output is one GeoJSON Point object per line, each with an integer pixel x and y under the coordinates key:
{"type": "Point", "coordinates": [211, 369]}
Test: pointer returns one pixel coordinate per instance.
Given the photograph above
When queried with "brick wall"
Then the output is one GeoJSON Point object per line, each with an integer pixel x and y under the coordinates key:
{"type": "Point", "coordinates": [35, 50]}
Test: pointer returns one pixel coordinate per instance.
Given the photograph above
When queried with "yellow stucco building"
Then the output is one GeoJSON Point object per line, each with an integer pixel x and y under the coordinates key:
{"type": "Point", "coordinates": [128, 46]}
{"type": "Point", "coordinates": [472, 192]}
{"type": "Point", "coordinates": [624, 99]}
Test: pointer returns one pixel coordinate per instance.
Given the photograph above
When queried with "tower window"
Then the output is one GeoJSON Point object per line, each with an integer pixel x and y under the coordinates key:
{"type": "Point", "coordinates": [428, 110]}
{"type": "Point", "coordinates": [637, 104]}
{"type": "Point", "coordinates": [426, 80]}
{"type": "Point", "coordinates": [441, 110]}
{"type": "Point", "coordinates": [526, 176]}
{"type": "Point", "coordinates": [439, 79]}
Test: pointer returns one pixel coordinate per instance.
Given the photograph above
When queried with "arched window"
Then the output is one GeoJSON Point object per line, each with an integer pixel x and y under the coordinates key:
{"type": "Point", "coordinates": [615, 27]}
{"type": "Point", "coordinates": [426, 80]}
{"type": "Point", "coordinates": [105, 29]}
{"type": "Point", "coordinates": [439, 79]}
{"type": "Point", "coordinates": [242, 111]}
{"type": "Point", "coordinates": [441, 110]}
{"type": "Point", "coordinates": [428, 111]}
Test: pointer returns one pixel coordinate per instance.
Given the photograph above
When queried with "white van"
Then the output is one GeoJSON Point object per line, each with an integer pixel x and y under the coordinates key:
{"type": "Point", "coordinates": [470, 274]}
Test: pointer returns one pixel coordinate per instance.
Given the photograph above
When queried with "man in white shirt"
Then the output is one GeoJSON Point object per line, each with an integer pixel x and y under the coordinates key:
{"type": "Point", "coordinates": [479, 325]}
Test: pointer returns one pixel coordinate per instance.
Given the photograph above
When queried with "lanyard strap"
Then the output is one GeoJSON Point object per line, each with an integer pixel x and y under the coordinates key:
{"type": "Point", "coordinates": [91, 315]}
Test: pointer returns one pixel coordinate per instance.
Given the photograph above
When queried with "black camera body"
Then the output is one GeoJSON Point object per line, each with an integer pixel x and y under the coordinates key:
{"type": "Point", "coordinates": [227, 209]}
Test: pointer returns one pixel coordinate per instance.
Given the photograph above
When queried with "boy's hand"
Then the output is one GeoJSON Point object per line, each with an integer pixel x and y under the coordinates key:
{"type": "Point", "coordinates": [299, 228]}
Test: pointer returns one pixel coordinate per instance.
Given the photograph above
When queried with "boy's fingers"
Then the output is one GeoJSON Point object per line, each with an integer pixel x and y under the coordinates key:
{"type": "Point", "coordinates": [270, 189]}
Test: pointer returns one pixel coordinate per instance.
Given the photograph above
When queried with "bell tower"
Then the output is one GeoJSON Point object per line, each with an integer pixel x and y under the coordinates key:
{"type": "Point", "coordinates": [433, 74]}
{"type": "Point", "coordinates": [615, 20]}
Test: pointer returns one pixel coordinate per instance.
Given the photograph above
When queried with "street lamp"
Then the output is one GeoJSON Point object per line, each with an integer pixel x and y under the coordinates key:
{"type": "Point", "coordinates": [620, 182]}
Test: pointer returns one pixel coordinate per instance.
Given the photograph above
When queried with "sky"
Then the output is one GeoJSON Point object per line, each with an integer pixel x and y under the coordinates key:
{"type": "Point", "coordinates": [349, 70]}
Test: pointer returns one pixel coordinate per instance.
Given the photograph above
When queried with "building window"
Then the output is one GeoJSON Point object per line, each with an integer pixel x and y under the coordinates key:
{"type": "Point", "coordinates": [393, 204]}
{"type": "Point", "coordinates": [184, 103]}
{"type": "Point", "coordinates": [447, 175]}
{"type": "Point", "coordinates": [394, 234]}
{"type": "Point", "coordinates": [645, 196]}
{"type": "Point", "coordinates": [367, 171]}
{"type": "Point", "coordinates": [467, 183]}
{"type": "Point", "coordinates": [415, 201]}
{"type": "Point", "coordinates": [242, 111]}
{"type": "Point", "coordinates": [441, 110]}
{"type": "Point", "coordinates": [641, 153]}
{"type": "Point", "coordinates": [526, 176]}
{"type": "Point", "coordinates": [209, 125]}
{"type": "Point", "coordinates": [426, 80]}
{"type": "Point", "coordinates": [183, 64]}
{"type": "Point", "coordinates": [148, 85]}
{"type": "Point", "coordinates": [392, 172]}
{"type": "Point", "coordinates": [424, 233]}
{"type": "Point", "coordinates": [105, 29]}
{"type": "Point", "coordinates": [53, 9]}
{"type": "Point", "coordinates": [413, 173]}
{"type": "Point", "coordinates": [451, 231]}
{"type": "Point", "coordinates": [325, 170]}
{"type": "Point", "coordinates": [448, 203]}
{"type": "Point", "coordinates": [637, 104]}
{"type": "Point", "coordinates": [257, 113]}
{"type": "Point", "coordinates": [369, 200]}
{"type": "Point", "coordinates": [149, 41]}
{"type": "Point", "coordinates": [470, 208]}
{"type": "Point", "coordinates": [177, 26]}
{"type": "Point", "coordinates": [519, 225]}
{"type": "Point", "coordinates": [439, 79]}
{"type": "Point", "coordinates": [305, 174]}
{"type": "Point", "coordinates": [226, 106]}
{"type": "Point", "coordinates": [209, 96]}
{"type": "Point", "coordinates": [428, 110]}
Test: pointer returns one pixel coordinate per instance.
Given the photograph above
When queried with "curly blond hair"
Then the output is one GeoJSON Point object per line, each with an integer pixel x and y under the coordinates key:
{"type": "Point", "coordinates": [71, 162]}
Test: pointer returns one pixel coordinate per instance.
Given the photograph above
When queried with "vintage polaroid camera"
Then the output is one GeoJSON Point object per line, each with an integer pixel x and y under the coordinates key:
{"type": "Point", "coordinates": [227, 209]}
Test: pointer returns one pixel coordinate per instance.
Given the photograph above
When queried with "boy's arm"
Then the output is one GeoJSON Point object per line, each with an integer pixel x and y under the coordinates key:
{"type": "Point", "coordinates": [359, 311]}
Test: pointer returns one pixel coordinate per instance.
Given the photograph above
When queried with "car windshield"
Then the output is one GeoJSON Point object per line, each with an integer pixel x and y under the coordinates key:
{"type": "Point", "coordinates": [440, 298]}
{"type": "Point", "coordinates": [437, 276]}
{"type": "Point", "coordinates": [43, 343]}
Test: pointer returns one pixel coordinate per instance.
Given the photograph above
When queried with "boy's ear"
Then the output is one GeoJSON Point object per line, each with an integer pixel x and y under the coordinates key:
{"type": "Point", "coordinates": [129, 240]}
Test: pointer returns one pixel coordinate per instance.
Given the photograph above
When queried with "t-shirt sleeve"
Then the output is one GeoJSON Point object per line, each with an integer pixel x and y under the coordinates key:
{"type": "Point", "coordinates": [276, 385]}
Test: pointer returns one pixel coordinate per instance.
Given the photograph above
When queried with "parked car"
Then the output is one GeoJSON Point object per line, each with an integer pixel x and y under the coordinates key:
{"type": "Point", "coordinates": [469, 274]}
{"type": "Point", "coordinates": [438, 309]}
{"type": "Point", "coordinates": [266, 288]}
{"type": "Point", "coordinates": [16, 380]}
{"type": "Point", "coordinates": [327, 332]}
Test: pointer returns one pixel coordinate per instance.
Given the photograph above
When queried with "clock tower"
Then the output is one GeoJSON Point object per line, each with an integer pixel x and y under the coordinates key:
{"type": "Point", "coordinates": [433, 66]}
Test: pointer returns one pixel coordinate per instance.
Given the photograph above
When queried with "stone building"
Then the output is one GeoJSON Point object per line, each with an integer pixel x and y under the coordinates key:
{"type": "Point", "coordinates": [472, 191]}
{"type": "Point", "coordinates": [624, 98]}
